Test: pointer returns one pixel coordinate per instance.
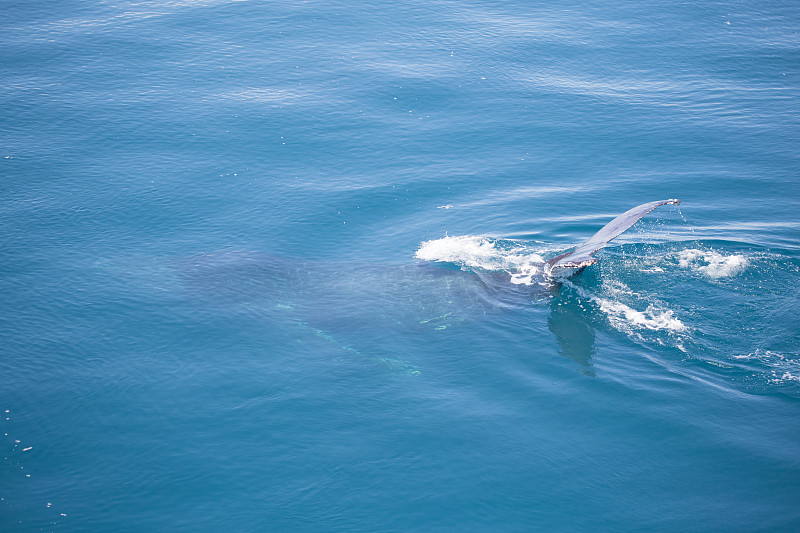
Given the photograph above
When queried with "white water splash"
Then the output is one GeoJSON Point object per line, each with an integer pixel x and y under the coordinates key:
{"type": "Point", "coordinates": [627, 319]}
{"type": "Point", "coordinates": [527, 275]}
{"type": "Point", "coordinates": [711, 263]}
{"type": "Point", "coordinates": [654, 318]}
{"type": "Point", "coordinates": [471, 251]}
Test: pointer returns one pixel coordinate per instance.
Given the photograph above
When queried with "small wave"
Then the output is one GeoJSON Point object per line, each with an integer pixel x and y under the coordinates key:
{"type": "Point", "coordinates": [712, 264]}
{"type": "Point", "coordinates": [469, 251]}
{"type": "Point", "coordinates": [781, 368]}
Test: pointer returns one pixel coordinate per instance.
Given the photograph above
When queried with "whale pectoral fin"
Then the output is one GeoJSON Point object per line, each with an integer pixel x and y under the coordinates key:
{"type": "Point", "coordinates": [583, 255]}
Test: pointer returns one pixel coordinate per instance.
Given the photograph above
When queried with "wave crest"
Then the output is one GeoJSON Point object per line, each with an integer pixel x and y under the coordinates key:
{"type": "Point", "coordinates": [782, 368]}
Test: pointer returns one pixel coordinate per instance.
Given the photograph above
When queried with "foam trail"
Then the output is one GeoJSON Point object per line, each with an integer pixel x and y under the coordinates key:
{"type": "Point", "coordinates": [625, 318]}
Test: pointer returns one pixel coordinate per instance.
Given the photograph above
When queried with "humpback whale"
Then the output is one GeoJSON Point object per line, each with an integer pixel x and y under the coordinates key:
{"type": "Point", "coordinates": [364, 309]}
{"type": "Point", "coordinates": [582, 256]}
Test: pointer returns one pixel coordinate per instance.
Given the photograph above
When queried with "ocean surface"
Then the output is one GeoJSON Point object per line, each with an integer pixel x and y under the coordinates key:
{"type": "Point", "coordinates": [277, 266]}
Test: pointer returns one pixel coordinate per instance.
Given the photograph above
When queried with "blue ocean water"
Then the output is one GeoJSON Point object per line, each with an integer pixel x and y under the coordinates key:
{"type": "Point", "coordinates": [275, 266]}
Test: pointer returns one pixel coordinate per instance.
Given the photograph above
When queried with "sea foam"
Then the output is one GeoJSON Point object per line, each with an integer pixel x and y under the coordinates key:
{"type": "Point", "coordinates": [711, 263]}
{"type": "Point", "coordinates": [470, 251]}
{"type": "Point", "coordinates": [623, 317]}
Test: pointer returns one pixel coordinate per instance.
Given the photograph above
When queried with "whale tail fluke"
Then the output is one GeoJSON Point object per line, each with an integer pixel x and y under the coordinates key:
{"type": "Point", "coordinates": [583, 255]}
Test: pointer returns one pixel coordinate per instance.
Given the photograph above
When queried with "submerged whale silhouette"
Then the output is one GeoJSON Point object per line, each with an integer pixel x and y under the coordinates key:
{"type": "Point", "coordinates": [375, 310]}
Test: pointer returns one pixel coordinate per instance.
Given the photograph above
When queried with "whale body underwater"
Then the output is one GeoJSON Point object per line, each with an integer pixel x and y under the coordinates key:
{"type": "Point", "coordinates": [353, 304]}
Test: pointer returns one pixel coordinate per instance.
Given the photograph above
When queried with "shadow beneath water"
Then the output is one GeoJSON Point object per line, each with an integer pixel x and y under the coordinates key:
{"type": "Point", "coordinates": [574, 335]}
